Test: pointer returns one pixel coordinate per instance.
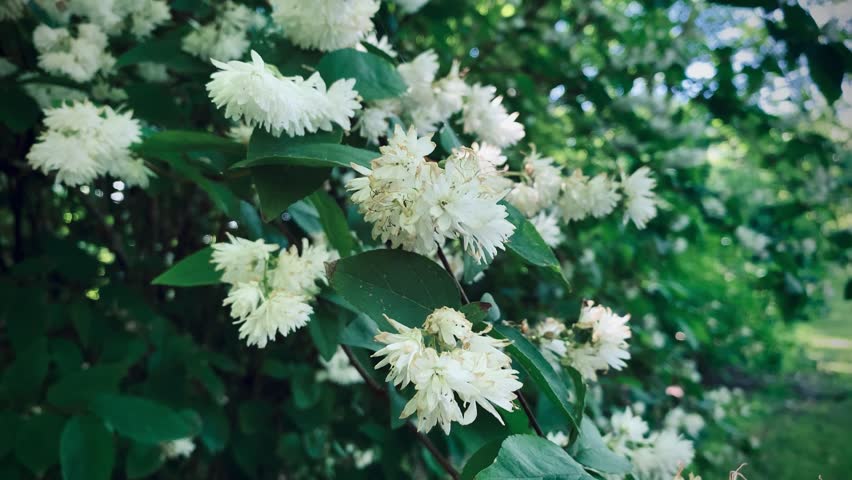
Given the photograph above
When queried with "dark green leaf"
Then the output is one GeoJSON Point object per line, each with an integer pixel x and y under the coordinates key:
{"type": "Point", "coordinates": [143, 420]}
{"type": "Point", "coordinates": [192, 271]}
{"type": "Point", "coordinates": [361, 333]}
{"type": "Point", "coordinates": [476, 311]}
{"type": "Point", "coordinates": [481, 459]}
{"type": "Point", "coordinates": [375, 77]}
{"type": "Point", "coordinates": [279, 186]}
{"type": "Point", "coordinates": [143, 460]}
{"type": "Point", "coordinates": [334, 224]}
{"type": "Point", "coordinates": [448, 139]}
{"type": "Point", "coordinates": [171, 141]}
{"type": "Point", "coordinates": [826, 71]}
{"type": "Point", "coordinates": [86, 450]}
{"type": "Point", "coordinates": [325, 329]}
{"type": "Point", "coordinates": [37, 442]}
{"type": "Point", "coordinates": [313, 155]}
{"type": "Point", "coordinates": [18, 111]}
{"type": "Point", "coordinates": [532, 457]}
{"type": "Point", "coordinates": [403, 285]}
{"type": "Point", "coordinates": [527, 243]}
{"type": "Point", "coordinates": [23, 378]}
{"type": "Point", "coordinates": [547, 380]}
{"type": "Point", "coordinates": [76, 389]}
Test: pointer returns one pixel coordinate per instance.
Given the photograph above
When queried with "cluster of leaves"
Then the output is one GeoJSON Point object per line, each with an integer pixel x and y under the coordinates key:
{"type": "Point", "coordinates": [100, 367]}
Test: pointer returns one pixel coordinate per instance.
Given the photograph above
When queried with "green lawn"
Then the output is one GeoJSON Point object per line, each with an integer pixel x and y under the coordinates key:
{"type": "Point", "coordinates": [806, 432]}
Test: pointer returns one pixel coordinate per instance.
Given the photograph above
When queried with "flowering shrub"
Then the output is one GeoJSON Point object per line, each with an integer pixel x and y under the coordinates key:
{"type": "Point", "coordinates": [252, 239]}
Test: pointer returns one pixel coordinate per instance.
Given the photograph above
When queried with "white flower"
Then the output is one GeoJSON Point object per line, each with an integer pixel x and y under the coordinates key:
{"type": "Point", "coordinates": [382, 43]}
{"type": "Point", "coordinates": [436, 379]}
{"type": "Point", "coordinates": [547, 226]}
{"type": "Point", "coordinates": [78, 57]}
{"type": "Point", "coordinates": [462, 206]}
{"type": "Point", "coordinates": [297, 273]}
{"type": "Point", "coordinates": [607, 347]}
{"type": "Point", "coordinates": [374, 121]}
{"type": "Point", "coordinates": [411, 6]}
{"type": "Point", "coordinates": [678, 419]}
{"type": "Point", "coordinates": [182, 447]}
{"type": "Point", "coordinates": [226, 38]}
{"type": "Point", "coordinates": [491, 158]}
{"type": "Point", "coordinates": [485, 116]}
{"type": "Point", "coordinates": [628, 427]}
{"type": "Point", "coordinates": [282, 313]}
{"type": "Point", "coordinates": [241, 133]}
{"type": "Point", "coordinates": [325, 24]}
{"type": "Point", "coordinates": [752, 240]}
{"type": "Point", "coordinates": [244, 299]}
{"type": "Point", "coordinates": [639, 197]}
{"type": "Point", "coordinates": [338, 370]}
{"type": "Point", "coordinates": [401, 351]}
{"type": "Point", "coordinates": [601, 196]}
{"type": "Point", "coordinates": [421, 71]}
{"type": "Point", "coordinates": [448, 324]}
{"type": "Point", "coordinates": [83, 141]}
{"type": "Point", "coordinates": [559, 438]}
{"type": "Point", "coordinates": [450, 92]}
{"type": "Point", "coordinates": [573, 204]}
{"type": "Point", "coordinates": [261, 98]}
{"type": "Point", "coordinates": [547, 178]}
{"type": "Point", "coordinates": [153, 72]}
{"type": "Point", "coordinates": [492, 385]}
{"type": "Point", "coordinates": [667, 454]}
{"type": "Point", "coordinates": [242, 260]}
{"type": "Point", "coordinates": [525, 198]}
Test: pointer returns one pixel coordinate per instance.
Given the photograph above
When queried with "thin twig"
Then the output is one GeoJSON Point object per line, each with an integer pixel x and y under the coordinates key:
{"type": "Point", "coordinates": [378, 390]}
{"type": "Point", "coordinates": [449, 270]}
{"type": "Point", "coordinates": [533, 422]}
{"type": "Point", "coordinates": [524, 404]}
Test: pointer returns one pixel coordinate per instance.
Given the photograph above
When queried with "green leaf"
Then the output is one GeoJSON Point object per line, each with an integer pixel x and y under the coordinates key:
{"type": "Point", "coordinates": [403, 285]}
{"type": "Point", "coordinates": [448, 139]}
{"type": "Point", "coordinates": [216, 430]}
{"type": "Point", "coordinates": [143, 420]}
{"type": "Point", "coordinates": [334, 224]}
{"type": "Point", "coordinates": [264, 145]}
{"type": "Point", "coordinates": [9, 426]}
{"type": "Point", "coordinates": [532, 457]}
{"type": "Point", "coordinates": [826, 71]}
{"type": "Point", "coordinates": [325, 328]}
{"type": "Point", "coordinates": [164, 48]}
{"type": "Point", "coordinates": [23, 378]}
{"type": "Point", "coordinates": [313, 155]}
{"type": "Point", "coordinates": [591, 451]}
{"type": "Point", "coordinates": [18, 110]}
{"type": "Point", "coordinates": [527, 243]}
{"type": "Point", "coordinates": [143, 460]}
{"type": "Point", "coordinates": [278, 187]}
{"type": "Point", "coordinates": [361, 333]}
{"type": "Point", "coordinates": [192, 271]}
{"type": "Point", "coordinates": [375, 77]}
{"type": "Point", "coordinates": [547, 380]}
{"type": "Point", "coordinates": [171, 141]}
{"type": "Point", "coordinates": [37, 442]}
{"type": "Point", "coordinates": [156, 104]}
{"type": "Point", "coordinates": [481, 459]}
{"type": "Point", "coordinates": [86, 450]}
{"type": "Point", "coordinates": [475, 311]}
{"type": "Point", "coordinates": [76, 389]}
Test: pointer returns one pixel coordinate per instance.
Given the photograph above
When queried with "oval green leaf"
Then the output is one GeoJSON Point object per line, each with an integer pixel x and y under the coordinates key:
{"type": "Point", "coordinates": [143, 420]}
{"type": "Point", "coordinates": [86, 450]}
{"type": "Point", "coordinates": [529, 456]}
{"type": "Point", "coordinates": [404, 286]}
{"type": "Point", "coordinates": [192, 271]}
{"type": "Point", "coordinates": [375, 77]}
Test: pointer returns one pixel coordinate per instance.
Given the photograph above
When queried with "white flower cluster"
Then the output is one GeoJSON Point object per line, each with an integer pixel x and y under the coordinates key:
{"type": "Point", "coordinates": [338, 370]}
{"type": "Point", "coordinates": [597, 342]}
{"type": "Point", "coordinates": [182, 447]}
{"type": "Point", "coordinates": [753, 241]}
{"type": "Point", "coordinates": [84, 141]}
{"type": "Point", "coordinates": [658, 455]}
{"type": "Point", "coordinates": [225, 38]}
{"type": "Point", "coordinates": [79, 57]}
{"type": "Point", "coordinates": [679, 420]}
{"type": "Point", "coordinates": [139, 17]}
{"type": "Point", "coordinates": [269, 295]}
{"type": "Point", "coordinates": [430, 102]}
{"type": "Point", "coordinates": [463, 363]}
{"type": "Point", "coordinates": [325, 24]}
{"type": "Point", "coordinates": [416, 204]}
{"type": "Point", "coordinates": [261, 97]}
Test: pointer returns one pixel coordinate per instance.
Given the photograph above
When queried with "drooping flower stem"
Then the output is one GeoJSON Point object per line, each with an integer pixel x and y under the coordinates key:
{"type": "Point", "coordinates": [523, 401]}
{"type": "Point", "coordinates": [380, 391]}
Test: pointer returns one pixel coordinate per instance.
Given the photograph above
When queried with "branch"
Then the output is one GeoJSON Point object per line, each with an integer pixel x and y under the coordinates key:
{"type": "Point", "coordinates": [380, 391]}
{"type": "Point", "coordinates": [449, 270]}
{"type": "Point", "coordinates": [524, 404]}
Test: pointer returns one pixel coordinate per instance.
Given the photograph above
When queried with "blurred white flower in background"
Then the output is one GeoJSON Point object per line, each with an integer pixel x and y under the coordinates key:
{"type": "Point", "coordinates": [182, 447]}
{"type": "Point", "coordinates": [325, 24]}
{"type": "Point", "coordinates": [79, 56]}
{"type": "Point", "coordinates": [338, 370]}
